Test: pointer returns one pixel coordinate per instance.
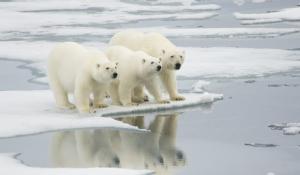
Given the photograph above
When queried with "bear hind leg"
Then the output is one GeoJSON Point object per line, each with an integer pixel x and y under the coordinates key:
{"type": "Point", "coordinates": [61, 96]}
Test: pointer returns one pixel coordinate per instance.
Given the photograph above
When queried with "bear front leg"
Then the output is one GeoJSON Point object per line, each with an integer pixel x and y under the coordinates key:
{"type": "Point", "coordinates": [169, 80]}
{"type": "Point", "coordinates": [138, 95]}
{"type": "Point", "coordinates": [99, 95]}
{"type": "Point", "coordinates": [82, 98]}
{"type": "Point", "coordinates": [153, 88]}
{"type": "Point", "coordinates": [113, 91]}
{"type": "Point", "coordinates": [125, 91]}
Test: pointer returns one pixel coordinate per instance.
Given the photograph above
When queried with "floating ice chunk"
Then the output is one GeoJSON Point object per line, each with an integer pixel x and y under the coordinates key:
{"type": "Point", "coordinates": [291, 130]}
{"type": "Point", "coordinates": [31, 112]}
{"type": "Point", "coordinates": [199, 85]}
{"type": "Point", "coordinates": [288, 14]}
{"type": "Point", "coordinates": [287, 128]}
{"type": "Point", "coordinates": [10, 165]}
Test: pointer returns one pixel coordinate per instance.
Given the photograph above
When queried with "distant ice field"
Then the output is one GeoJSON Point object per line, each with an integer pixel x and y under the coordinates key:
{"type": "Point", "coordinates": [30, 29]}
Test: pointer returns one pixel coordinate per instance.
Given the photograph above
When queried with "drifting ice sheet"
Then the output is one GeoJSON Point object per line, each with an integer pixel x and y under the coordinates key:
{"type": "Point", "coordinates": [288, 14]}
{"type": "Point", "coordinates": [287, 128]}
{"type": "Point", "coordinates": [10, 165]}
{"type": "Point", "coordinates": [30, 112]}
{"type": "Point", "coordinates": [214, 62]}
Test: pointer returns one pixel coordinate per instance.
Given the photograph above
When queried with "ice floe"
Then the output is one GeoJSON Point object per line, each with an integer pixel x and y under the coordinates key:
{"type": "Point", "coordinates": [64, 31]}
{"type": "Point", "coordinates": [30, 16]}
{"type": "Point", "coordinates": [287, 128]}
{"type": "Point", "coordinates": [31, 112]}
{"type": "Point", "coordinates": [242, 2]}
{"type": "Point", "coordinates": [9, 164]}
{"type": "Point", "coordinates": [214, 62]}
{"type": "Point", "coordinates": [288, 14]}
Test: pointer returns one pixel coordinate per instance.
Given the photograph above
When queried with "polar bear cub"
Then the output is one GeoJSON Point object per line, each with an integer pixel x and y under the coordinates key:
{"type": "Point", "coordinates": [81, 71]}
{"type": "Point", "coordinates": [158, 46]}
{"type": "Point", "coordinates": [137, 69]}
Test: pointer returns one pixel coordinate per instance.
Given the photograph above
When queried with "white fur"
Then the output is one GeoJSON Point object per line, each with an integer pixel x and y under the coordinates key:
{"type": "Point", "coordinates": [157, 46]}
{"type": "Point", "coordinates": [81, 71]}
{"type": "Point", "coordinates": [137, 69]}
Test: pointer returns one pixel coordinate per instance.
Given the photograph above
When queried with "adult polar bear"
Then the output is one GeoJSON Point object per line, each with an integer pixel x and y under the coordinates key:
{"type": "Point", "coordinates": [137, 69]}
{"type": "Point", "coordinates": [75, 69]}
{"type": "Point", "coordinates": [157, 46]}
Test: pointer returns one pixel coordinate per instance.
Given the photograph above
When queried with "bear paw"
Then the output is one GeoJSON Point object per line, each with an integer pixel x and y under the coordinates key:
{"type": "Point", "coordinates": [163, 101]}
{"type": "Point", "coordinates": [137, 100]}
{"type": "Point", "coordinates": [101, 106]}
{"type": "Point", "coordinates": [177, 98]}
{"type": "Point", "coordinates": [131, 104]}
{"type": "Point", "coordinates": [68, 106]}
{"type": "Point", "coordinates": [87, 110]}
{"type": "Point", "coordinates": [146, 98]}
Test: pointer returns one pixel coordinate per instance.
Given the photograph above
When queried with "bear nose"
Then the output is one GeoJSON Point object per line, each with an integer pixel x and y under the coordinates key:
{"type": "Point", "coordinates": [158, 68]}
{"type": "Point", "coordinates": [115, 75]}
{"type": "Point", "coordinates": [177, 66]}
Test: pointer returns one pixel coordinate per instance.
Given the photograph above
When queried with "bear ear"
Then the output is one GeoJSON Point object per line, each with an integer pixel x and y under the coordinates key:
{"type": "Point", "coordinates": [98, 65]}
{"type": "Point", "coordinates": [144, 60]}
{"type": "Point", "coordinates": [163, 51]}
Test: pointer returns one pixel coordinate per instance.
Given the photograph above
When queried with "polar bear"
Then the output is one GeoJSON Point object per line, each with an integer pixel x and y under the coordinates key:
{"type": "Point", "coordinates": [136, 69]}
{"type": "Point", "coordinates": [81, 71]}
{"type": "Point", "coordinates": [157, 46]}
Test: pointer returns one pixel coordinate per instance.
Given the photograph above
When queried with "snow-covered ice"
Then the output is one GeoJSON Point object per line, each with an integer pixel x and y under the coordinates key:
{"type": "Point", "coordinates": [31, 112]}
{"type": "Point", "coordinates": [36, 15]}
{"type": "Point", "coordinates": [169, 32]}
{"type": "Point", "coordinates": [10, 165]}
{"type": "Point", "coordinates": [214, 62]}
{"type": "Point", "coordinates": [288, 14]}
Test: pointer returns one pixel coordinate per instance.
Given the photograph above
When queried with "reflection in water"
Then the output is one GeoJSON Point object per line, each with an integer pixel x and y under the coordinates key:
{"type": "Point", "coordinates": [155, 150]}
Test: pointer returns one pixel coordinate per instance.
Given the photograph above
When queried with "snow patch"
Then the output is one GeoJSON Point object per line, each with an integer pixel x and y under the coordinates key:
{"type": "Point", "coordinates": [31, 112]}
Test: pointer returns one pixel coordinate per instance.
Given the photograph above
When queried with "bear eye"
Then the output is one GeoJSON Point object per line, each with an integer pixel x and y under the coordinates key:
{"type": "Point", "coordinates": [181, 56]}
{"type": "Point", "coordinates": [107, 68]}
{"type": "Point", "coordinates": [172, 56]}
{"type": "Point", "coordinates": [152, 62]}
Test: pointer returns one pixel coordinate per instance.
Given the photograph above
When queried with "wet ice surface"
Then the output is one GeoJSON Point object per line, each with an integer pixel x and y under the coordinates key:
{"type": "Point", "coordinates": [243, 134]}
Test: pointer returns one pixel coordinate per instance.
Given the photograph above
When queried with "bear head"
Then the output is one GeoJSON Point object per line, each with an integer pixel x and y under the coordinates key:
{"type": "Point", "coordinates": [148, 65]}
{"type": "Point", "coordinates": [104, 71]}
{"type": "Point", "coordinates": [172, 59]}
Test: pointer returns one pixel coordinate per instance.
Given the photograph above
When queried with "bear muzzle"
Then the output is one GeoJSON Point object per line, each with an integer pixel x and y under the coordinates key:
{"type": "Point", "coordinates": [115, 75]}
{"type": "Point", "coordinates": [158, 68]}
{"type": "Point", "coordinates": [177, 66]}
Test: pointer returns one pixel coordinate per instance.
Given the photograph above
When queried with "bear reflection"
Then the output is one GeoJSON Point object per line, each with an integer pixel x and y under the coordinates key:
{"type": "Point", "coordinates": [154, 150]}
